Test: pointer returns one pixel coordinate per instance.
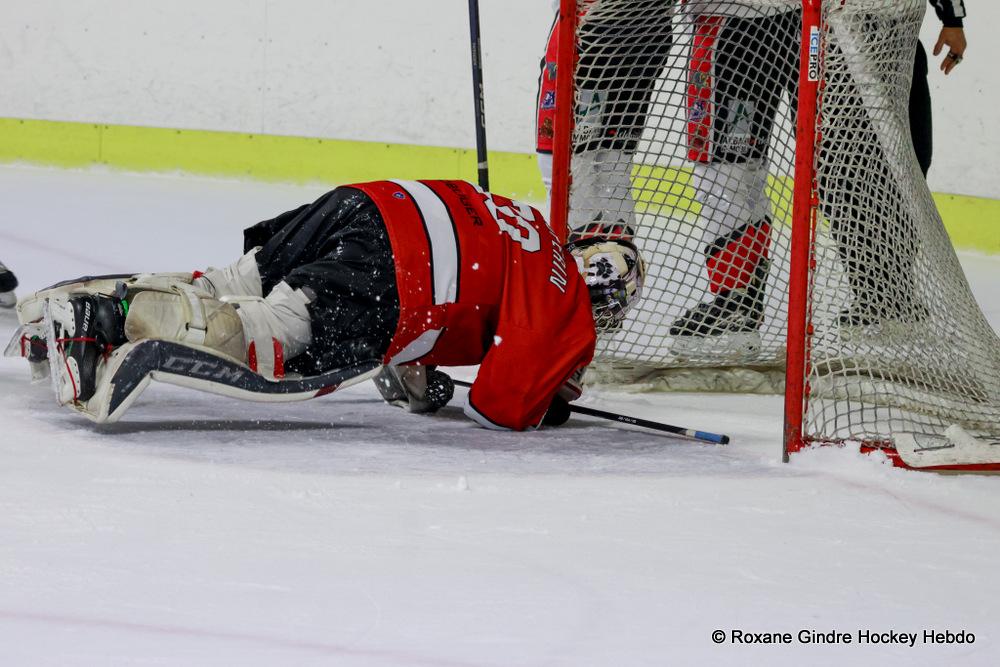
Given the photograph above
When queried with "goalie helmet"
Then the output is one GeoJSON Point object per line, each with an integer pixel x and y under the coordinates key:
{"type": "Point", "coordinates": [614, 272]}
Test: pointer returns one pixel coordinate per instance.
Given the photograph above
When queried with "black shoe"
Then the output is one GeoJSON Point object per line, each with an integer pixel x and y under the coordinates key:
{"type": "Point", "coordinates": [86, 329]}
{"type": "Point", "coordinates": [873, 313]}
{"type": "Point", "coordinates": [731, 311]}
{"type": "Point", "coordinates": [8, 283]}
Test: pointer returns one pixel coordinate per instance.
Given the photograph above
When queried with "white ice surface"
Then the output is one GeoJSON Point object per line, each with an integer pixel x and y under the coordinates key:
{"type": "Point", "coordinates": [206, 531]}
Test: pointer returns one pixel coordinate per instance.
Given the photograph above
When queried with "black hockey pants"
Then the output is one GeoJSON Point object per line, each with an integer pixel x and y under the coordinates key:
{"type": "Point", "coordinates": [338, 249]}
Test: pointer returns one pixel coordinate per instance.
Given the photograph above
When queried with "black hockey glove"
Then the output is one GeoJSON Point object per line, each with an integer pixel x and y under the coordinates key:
{"type": "Point", "coordinates": [558, 412]}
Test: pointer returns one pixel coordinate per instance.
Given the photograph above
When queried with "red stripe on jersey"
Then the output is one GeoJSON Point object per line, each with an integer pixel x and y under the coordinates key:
{"type": "Point", "coordinates": [701, 82]}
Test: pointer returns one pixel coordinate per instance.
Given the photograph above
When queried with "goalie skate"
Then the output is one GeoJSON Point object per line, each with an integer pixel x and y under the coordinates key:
{"type": "Point", "coordinates": [81, 332]}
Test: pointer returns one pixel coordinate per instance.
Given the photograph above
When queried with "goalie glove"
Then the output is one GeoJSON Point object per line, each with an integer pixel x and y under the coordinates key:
{"type": "Point", "coordinates": [415, 388]}
{"type": "Point", "coordinates": [559, 410]}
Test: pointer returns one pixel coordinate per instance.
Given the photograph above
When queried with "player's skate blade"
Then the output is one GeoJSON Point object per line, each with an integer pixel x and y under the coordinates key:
{"type": "Point", "coordinates": [725, 348]}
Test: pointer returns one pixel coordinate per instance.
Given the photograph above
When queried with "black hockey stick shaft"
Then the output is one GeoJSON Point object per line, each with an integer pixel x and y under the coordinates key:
{"type": "Point", "coordinates": [656, 426]}
{"type": "Point", "coordinates": [704, 436]}
{"type": "Point", "coordinates": [479, 101]}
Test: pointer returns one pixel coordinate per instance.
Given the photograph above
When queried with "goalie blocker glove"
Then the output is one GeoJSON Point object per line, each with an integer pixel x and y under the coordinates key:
{"type": "Point", "coordinates": [415, 388]}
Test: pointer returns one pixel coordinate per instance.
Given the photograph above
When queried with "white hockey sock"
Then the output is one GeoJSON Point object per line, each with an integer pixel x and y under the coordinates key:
{"type": "Point", "coordinates": [545, 169]}
{"type": "Point", "coordinates": [602, 188]}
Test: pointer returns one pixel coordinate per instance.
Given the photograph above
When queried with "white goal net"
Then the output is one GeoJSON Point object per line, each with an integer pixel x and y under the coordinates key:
{"type": "Point", "coordinates": [684, 137]}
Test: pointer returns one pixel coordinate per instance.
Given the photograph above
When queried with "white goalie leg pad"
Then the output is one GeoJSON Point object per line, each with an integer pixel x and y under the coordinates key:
{"type": "Point", "coordinates": [276, 328]}
{"type": "Point", "coordinates": [186, 314]}
{"type": "Point", "coordinates": [602, 188]}
{"type": "Point", "coordinates": [241, 278]}
{"type": "Point", "coordinates": [730, 194]}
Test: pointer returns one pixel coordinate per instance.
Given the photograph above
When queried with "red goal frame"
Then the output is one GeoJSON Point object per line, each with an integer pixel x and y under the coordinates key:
{"type": "Point", "coordinates": [804, 216]}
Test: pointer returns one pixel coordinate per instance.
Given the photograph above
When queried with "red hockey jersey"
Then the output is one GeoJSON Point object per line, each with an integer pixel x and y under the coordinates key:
{"type": "Point", "coordinates": [484, 280]}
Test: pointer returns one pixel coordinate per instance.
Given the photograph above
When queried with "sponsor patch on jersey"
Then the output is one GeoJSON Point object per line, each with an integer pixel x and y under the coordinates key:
{"type": "Point", "coordinates": [545, 130]}
{"type": "Point", "coordinates": [699, 110]}
{"type": "Point", "coordinates": [550, 71]}
{"type": "Point", "coordinates": [738, 123]}
{"type": "Point", "coordinates": [699, 79]}
{"type": "Point", "coordinates": [549, 100]}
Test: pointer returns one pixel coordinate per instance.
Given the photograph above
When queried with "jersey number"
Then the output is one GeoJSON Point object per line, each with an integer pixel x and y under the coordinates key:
{"type": "Point", "coordinates": [514, 219]}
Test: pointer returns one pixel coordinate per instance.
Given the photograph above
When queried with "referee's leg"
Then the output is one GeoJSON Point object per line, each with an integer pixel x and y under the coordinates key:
{"type": "Point", "coordinates": [921, 123]}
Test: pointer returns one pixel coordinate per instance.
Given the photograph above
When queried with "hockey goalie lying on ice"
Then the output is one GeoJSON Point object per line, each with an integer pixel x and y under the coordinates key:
{"type": "Point", "coordinates": [383, 280]}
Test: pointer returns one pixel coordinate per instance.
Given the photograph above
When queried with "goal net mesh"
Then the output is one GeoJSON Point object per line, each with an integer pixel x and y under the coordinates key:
{"type": "Point", "coordinates": [684, 137]}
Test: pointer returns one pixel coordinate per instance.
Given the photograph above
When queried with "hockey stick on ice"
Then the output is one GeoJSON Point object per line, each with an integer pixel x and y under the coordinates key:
{"type": "Point", "coordinates": [703, 436]}
{"type": "Point", "coordinates": [478, 95]}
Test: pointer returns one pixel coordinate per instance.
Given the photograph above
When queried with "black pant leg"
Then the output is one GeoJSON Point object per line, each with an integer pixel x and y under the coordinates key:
{"type": "Point", "coordinates": [624, 45]}
{"type": "Point", "coordinates": [870, 217]}
{"type": "Point", "coordinates": [755, 63]}
{"type": "Point", "coordinates": [338, 250]}
{"type": "Point", "coordinates": [921, 120]}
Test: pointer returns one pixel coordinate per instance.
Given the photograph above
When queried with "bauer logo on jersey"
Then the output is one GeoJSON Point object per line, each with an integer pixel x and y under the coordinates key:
{"type": "Point", "coordinates": [549, 100]}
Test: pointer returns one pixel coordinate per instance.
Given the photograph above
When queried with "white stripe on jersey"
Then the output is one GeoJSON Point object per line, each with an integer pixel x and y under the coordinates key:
{"type": "Point", "coordinates": [957, 8]}
{"type": "Point", "coordinates": [441, 232]}
{"type": "Point", "coordinates": [417, 348]}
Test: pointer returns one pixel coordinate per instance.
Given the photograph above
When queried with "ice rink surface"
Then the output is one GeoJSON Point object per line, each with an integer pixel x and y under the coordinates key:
{"type": "Point", "coordinates": [207, 531]}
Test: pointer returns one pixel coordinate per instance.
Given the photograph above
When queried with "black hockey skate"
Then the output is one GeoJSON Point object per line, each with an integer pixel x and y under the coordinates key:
{"type": "Point", "coordinates": [867, 312]}
{"type": "Point", "coordinates": [725, 328]}
{"type": "Point", "coordinates": [899, 315]}
{"type": "Point", "coordinates": [83, 330]}
{"type": "Point", "coordinates": [8, 283]}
